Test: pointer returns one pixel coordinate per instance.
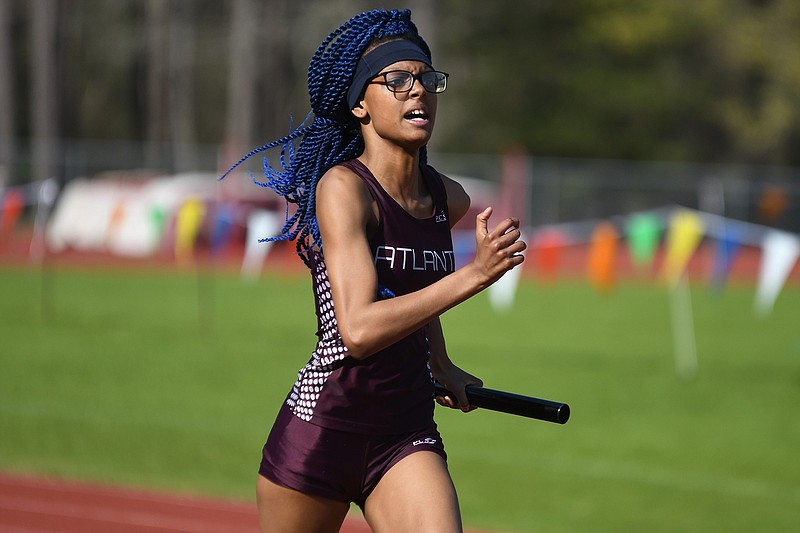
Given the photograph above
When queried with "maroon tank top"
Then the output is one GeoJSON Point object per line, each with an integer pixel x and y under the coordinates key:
{"type": "Point", "coordinates": [392, 390]}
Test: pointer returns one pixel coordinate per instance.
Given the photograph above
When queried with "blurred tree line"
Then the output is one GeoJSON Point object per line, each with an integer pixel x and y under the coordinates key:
{"type": "Point", "coordinates": [701, 81]}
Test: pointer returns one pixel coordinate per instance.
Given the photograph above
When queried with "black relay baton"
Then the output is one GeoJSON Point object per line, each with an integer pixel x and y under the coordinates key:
{"type": "Point", "coordinates": [515, 404]}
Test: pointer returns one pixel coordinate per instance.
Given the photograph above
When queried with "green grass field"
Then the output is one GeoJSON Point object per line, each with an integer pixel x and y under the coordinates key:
{"type": "Point", "coordinates": [169, 381]}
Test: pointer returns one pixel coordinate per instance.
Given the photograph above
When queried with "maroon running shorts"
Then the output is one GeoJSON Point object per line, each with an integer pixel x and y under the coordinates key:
{"type": "Point", "coordinates": [334, 464]}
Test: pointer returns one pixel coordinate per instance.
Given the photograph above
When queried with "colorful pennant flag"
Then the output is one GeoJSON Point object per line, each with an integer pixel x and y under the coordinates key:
{"type": "Point", "coordinates": [116, 218]}
{"type": "Point", "coordinates": [12, 205]}
{"type": "Point", "coordinates": [685, 234]}
{"type": "Point", "coordinates": [779, 254]}
{"type": "Point", "coordinates": [602, 258]}
{"type": "Point", "coordinates": [548, 247]}
{"type": "Point", "coordinates": [187, 227]}
{"type": "Point", "coordinates": [728, 245]}
{"type": "Point", "coordinates": [261, 224]}
{"type": "Point", "coordinates": [643, 231]}
{"type": "Point", "coordinates": [158, 221]}
{"type": "Point", "coordinates": [224, 218]}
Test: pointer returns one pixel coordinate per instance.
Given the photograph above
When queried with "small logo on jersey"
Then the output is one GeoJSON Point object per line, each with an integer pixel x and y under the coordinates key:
{"type": "Point", "coordinates": [427, 440]}
{"type": "Point", "coordinates": [440, 217]}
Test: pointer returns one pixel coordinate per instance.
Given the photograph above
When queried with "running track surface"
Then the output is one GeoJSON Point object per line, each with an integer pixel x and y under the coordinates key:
{"type": "Point", "coordinates": [32, 505]}
{"type": "Point", "coordinates": [37, 505]}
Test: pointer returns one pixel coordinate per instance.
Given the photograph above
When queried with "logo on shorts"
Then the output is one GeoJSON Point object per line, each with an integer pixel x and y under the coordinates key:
{"type": "Point", "coordinates": [427, 440]}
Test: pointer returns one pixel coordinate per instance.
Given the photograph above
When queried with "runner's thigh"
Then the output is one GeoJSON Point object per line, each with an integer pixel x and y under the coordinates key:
{"type": "Point", "coordinates": [284, 510]}
{"type": "Point", "coordinates": [416, 494]}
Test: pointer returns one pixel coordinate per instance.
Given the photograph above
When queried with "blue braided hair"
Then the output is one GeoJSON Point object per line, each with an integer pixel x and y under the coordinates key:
{"type": "Point", "coordinates": [333, 135]}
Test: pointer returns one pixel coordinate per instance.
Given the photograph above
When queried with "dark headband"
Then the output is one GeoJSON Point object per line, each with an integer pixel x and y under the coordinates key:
{"type": "Point", "coordinates": [371, 64]}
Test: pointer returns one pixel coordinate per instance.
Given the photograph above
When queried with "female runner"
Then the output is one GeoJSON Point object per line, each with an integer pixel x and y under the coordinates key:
{"type": "Point", "coordinates": [373, 225]}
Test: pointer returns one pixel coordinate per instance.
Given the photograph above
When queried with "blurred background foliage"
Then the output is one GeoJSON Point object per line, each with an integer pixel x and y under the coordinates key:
{"type": "Point", "coordinates": [703, 81]}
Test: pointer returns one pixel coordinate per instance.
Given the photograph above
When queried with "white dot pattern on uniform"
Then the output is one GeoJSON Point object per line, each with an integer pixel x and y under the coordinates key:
{"type": "Point", "coordinates": [328, 355]}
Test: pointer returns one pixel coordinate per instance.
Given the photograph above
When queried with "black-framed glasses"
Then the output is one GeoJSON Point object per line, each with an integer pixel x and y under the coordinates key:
{"type": "Point", "coordinates": [402, 81]}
